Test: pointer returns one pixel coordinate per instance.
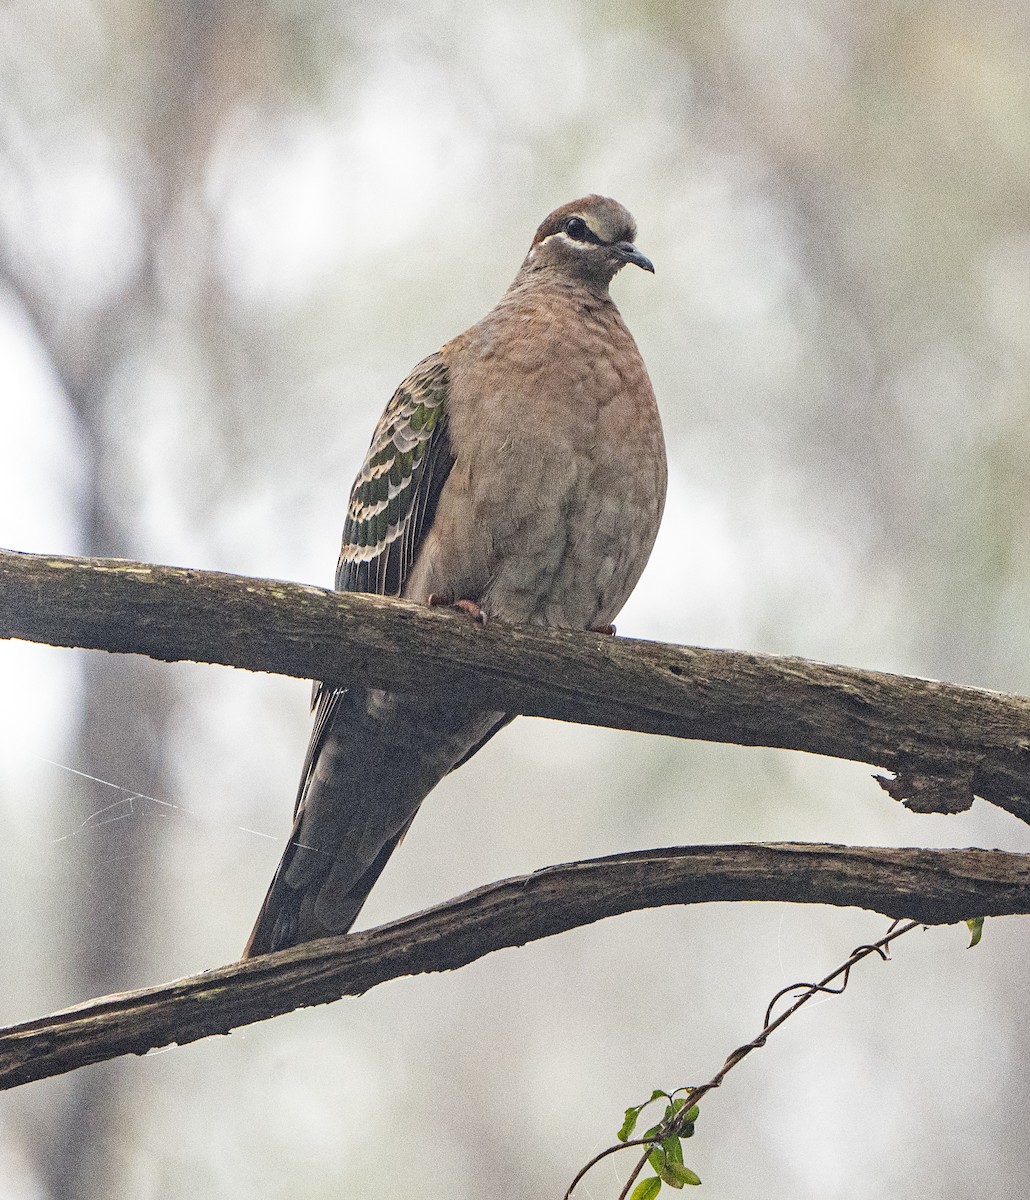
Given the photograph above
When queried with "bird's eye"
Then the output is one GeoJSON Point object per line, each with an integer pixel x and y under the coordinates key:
{"type": "Point", "coordinates": [576, 228]}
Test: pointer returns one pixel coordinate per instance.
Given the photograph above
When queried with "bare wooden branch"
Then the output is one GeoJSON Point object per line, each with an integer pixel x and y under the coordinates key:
{"type": "Point", "coordinates": [933, 886]}
{"type": "Point", "coordinates": [944, 743]}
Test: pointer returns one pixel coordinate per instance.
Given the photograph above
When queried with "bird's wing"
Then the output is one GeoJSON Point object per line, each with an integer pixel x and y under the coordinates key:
{"type": "Point", "coordinates": [391, 508]}
{"type": "Point", "coordinates": [395, 494]}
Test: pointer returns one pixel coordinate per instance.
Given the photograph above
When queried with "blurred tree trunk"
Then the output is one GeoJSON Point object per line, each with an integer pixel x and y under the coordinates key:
{"type": "Point", "coordinates": [111, 887]}
{"type": "Point", "coordinates": [107, 890]}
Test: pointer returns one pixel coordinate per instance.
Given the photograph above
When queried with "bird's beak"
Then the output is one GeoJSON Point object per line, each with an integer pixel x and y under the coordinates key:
{"type": "Point", "coordinates": [630, 254]}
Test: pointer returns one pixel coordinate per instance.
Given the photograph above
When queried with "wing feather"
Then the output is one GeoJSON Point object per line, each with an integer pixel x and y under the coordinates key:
{"type": "Point", "coordinates": [394, 495]}
{"type": "Point", "coordinates": [391, 508]}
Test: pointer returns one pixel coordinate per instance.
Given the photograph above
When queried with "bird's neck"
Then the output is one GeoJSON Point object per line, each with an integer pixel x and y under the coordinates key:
{"type": "Point", "coordinates": [536, 278]}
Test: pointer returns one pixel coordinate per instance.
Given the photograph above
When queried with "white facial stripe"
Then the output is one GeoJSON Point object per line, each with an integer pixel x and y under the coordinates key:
{"type": "Point", "coordinates": [571, 241]}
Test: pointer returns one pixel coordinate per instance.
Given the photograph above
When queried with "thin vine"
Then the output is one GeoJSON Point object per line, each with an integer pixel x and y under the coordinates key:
{"type": "Point", "coordinates": [662, 1143]}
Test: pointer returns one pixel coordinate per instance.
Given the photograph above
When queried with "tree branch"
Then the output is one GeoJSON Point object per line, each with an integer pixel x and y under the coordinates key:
{"type": "Point", "coordinates": [945, 743]}
{"type": "Point", "coordinates": [931, 886]}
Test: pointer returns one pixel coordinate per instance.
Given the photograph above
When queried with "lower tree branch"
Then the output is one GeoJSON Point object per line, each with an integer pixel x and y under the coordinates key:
{"type": "Point", "coordinates": [944, 743]}
{"type": "Point", "coordinates": [932, 886]}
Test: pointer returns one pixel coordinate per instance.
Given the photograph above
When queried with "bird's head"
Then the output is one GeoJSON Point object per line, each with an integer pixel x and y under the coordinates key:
{"type": "Point", "coordinates": [589, 239]}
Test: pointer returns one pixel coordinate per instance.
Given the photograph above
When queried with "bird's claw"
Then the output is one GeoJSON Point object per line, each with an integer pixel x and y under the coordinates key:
{"type": "Point", "coordinates": [465, 606]}
{"type": "Point", "coordinates": [472, 608]}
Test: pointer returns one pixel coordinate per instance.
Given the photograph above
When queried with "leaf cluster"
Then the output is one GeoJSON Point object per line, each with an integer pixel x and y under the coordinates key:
{"type": "Point", "coordinates": [666, 1156]}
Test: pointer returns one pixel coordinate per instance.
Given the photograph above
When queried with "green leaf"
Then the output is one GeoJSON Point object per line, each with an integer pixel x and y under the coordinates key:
{"type": "Point", "coordinates": [685, 1118]}
{"type": "Point", "coordinates": [667, 1175]}
{"type": "Point", "coordinates": [657, 1159]}
{"type": "Point", "coordinates": [646, 1189]}
{"type": "Point", "coordinates": [650, 1132]}
{"type": "Point", "coordinates": [976, 926]}
{"type": "Point", "coordinates": [629, 1124]}
{"type": "Point", "coordinates": [657, 1094]}
{"type": "Point", "coordinates": [673, 1150]}
{"type": "Point", "coordinates": [676, 1175]}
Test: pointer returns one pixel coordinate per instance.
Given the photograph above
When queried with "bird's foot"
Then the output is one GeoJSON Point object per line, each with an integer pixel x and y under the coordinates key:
{"type": "Point", "coordinates": [607, 630]}
{"type": "Point", "coordinates": [465, 606]}
{"type": "Point", "coordinates": [472, 608]}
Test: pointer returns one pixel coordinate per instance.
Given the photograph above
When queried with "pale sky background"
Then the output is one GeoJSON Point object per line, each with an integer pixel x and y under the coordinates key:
{"type": "Point", "coordinates": [226, 233]}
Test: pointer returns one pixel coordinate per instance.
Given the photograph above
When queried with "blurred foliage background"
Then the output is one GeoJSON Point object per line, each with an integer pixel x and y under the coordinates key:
{"type": "Point", "coordinates": [227, 230]}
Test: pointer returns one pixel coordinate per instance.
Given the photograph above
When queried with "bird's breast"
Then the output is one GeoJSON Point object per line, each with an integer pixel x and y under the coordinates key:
{"type": "Point", "coordinates": [558, 483]}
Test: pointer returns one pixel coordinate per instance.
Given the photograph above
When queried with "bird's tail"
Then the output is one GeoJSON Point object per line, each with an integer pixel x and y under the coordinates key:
{"type": "Point", "coordinates": [286, 916]}
{"type": "Point", "coordinates": [373, 759]}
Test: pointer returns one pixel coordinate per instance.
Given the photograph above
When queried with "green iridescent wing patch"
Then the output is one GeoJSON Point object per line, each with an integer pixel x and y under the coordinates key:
{"type": "Point", "coordinates": [395, 494]}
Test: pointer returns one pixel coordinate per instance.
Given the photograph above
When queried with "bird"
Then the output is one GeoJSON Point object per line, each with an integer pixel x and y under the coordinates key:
{"type": "Point", "coordinates": [519, 474]}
